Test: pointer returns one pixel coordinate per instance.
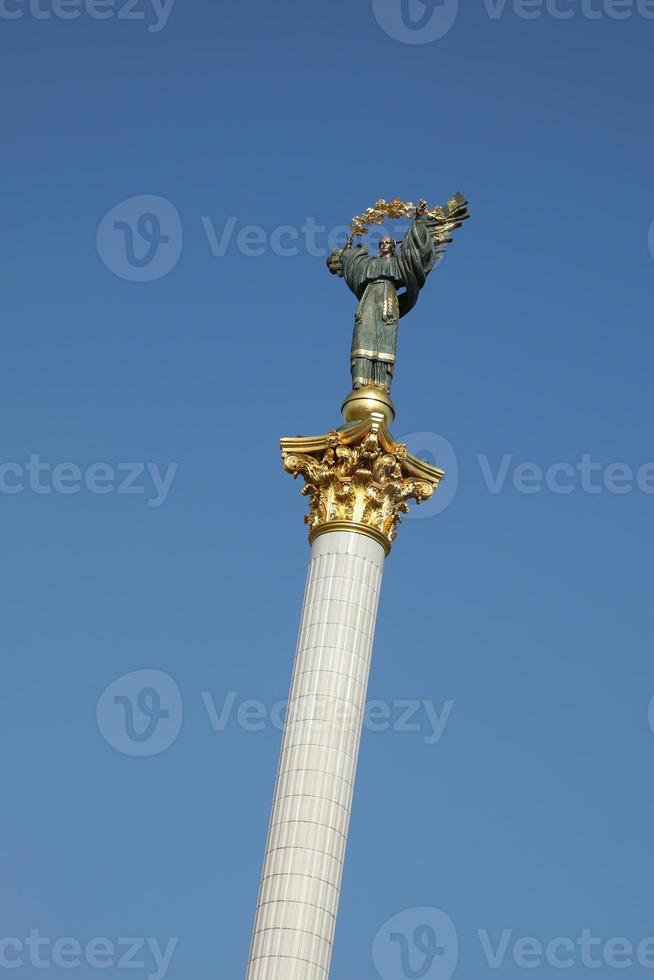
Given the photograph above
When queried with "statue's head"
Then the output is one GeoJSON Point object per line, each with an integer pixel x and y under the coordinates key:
{"type": "Point", "coordinates": [387, 245]}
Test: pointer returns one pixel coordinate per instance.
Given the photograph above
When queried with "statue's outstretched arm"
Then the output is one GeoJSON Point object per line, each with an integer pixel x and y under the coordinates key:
{"type": "Point", "coordinates": [350, 263]}
{"type": "Point", "coordinates": [335, 262]}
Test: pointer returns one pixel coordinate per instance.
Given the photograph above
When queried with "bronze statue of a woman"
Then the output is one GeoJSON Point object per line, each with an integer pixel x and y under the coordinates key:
{"type": "Point", "coordinates": [387, 285]}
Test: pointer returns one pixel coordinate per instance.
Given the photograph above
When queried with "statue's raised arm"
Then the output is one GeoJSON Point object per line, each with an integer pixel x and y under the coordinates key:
{"type": "Point", "coordinates": [388, 285]}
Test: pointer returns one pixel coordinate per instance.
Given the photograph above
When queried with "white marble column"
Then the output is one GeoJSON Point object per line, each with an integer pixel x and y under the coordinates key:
{"type": "Point", "coordinates": [303, 866]}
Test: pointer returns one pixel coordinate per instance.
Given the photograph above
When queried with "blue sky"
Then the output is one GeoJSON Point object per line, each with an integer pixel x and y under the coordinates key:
{"type": "Point", "coordinates": [147, 524]}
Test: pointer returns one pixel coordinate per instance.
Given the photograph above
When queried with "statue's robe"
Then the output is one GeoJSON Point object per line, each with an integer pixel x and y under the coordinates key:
{"type": "Point", "coordinates": [375, 281]}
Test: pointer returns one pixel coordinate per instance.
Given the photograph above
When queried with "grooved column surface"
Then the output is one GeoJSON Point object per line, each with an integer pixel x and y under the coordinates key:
{"type": "Point", "coordinates": [303, 865]}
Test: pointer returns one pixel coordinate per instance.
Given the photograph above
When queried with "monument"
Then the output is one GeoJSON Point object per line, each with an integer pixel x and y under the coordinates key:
{"type": "Point", "coordinates": [359, 482]}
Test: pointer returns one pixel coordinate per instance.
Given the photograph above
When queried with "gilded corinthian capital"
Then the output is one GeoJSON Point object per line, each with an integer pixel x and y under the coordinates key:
{"type": "Point", "coordinates": [359, 479]}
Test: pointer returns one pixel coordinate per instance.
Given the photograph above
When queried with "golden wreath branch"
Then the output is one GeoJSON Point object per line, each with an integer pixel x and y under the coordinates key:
{"type": "Point", "coordinates": [447, 217]}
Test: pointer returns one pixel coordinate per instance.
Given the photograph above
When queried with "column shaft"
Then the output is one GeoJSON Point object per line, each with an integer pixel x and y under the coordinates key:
{"type": "Point", "coordinates": [303, 865]}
